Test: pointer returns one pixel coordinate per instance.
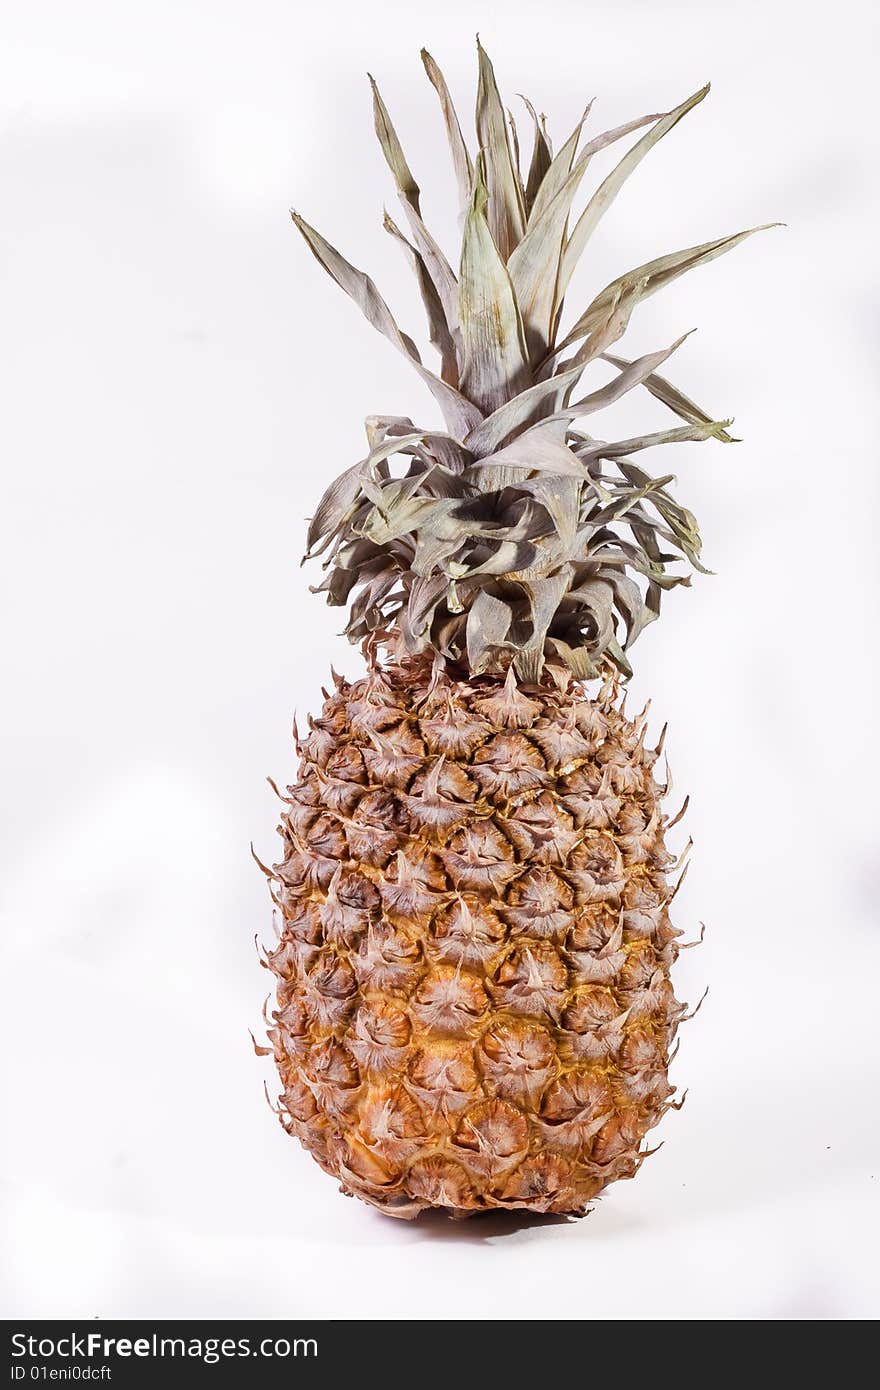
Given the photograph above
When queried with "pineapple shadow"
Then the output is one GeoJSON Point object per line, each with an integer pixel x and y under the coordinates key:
{"type": "Point", "coordinates": [483, 1226]}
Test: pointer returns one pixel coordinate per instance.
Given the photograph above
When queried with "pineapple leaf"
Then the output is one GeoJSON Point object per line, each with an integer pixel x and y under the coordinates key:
{"type": "Point", "coordinates": [342, 493]}
{"type": "Point", "coordinates": [393, 151]}
{"type": "Point", "coordinates": [338, 501]}
{"type": "Point", "coordinates": [615, 651]}
{"type": "Point", "coordinates": [596, 597]}
{"type": "Point", "coordinates": [557, 171]}
{"type": "Point", "coordinates": [545, 596]}
{"type": "Point", "coordinates": [539, 449]}
{"type": "Point", "coordinates": [488, 623]}
{"type": "Point", "coordinates": [439, 448]}
{"type": "Point", "coordinates": [396, 444]}
{"type": "Point", "coordinates": [629, 603]}
{"type": "Point", "coordinates": [424, 597]}
{"type": "Point", "coordinates": [536, 401]}
{"type": "Point", "coordinates": [618, 132]}
{"type": "Point", "coordinates": [494, 363]}
{"type": "Point", "coordinates": [432, 551]}
{"type": "Point", "coordinates": [631, 376]}
{"type": "Point", "coordinates": [333, 507]}
{"type": "Point", "coordinates": [506, 211]}
{"type": "Point", "coordinates": [461, 160]}
{"type": "Point", "coordinates": [514, 154]}
{"type": "Point", "coordinates": [461, 415]}
{"type": "Point", "coordinates": [534, 265]}
{"type": "Point", "coordinates": [611, 186]}
{"type": "Point", "coordinates": [596, 449]}
{"type": "Point", "coordinates": [609, 329]}
{"type": "Point", "coordinates": [438, 267]}
{"type": "Point", "coordinates": [560, 498]}
{"type": "Point", "coordinates": [647, 279]}
{"type": "Point", "coordinates": [397, 517]}
{"type": "Point", "coordinates": [379, 427]}
{"type": "Point", "coordinates": [628, 499]}
{"type": "Point", "coordinates": [510, 555]}
{"type": "Point", "coordinates": [541, 158]}
{"type": "Point", "coordinates": [438, 327]}
{"type": "Point", "coordinates": [577, 659]}
{"type": "Point", "coordinates": [677, 402]}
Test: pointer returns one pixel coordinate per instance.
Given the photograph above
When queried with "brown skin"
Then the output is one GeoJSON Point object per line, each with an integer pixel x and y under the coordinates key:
{"type": "Point", "coordinates": [474, 1008]}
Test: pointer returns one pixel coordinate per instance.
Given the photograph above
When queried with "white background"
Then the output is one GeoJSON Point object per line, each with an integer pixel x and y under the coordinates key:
{"type": "Point", "coordinates": [180, 381]}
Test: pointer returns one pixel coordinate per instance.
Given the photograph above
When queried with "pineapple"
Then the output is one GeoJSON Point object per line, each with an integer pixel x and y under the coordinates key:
{"type": "Point", "coordinates": [474, 1006]}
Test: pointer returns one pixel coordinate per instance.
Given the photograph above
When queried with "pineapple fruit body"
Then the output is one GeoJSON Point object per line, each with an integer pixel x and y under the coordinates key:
{"type": "Point", "coordinates": [474, 1007]}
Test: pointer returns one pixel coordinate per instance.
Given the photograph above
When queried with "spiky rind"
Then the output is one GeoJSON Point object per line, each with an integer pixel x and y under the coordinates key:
{"type": "Point", "coordinates": [474, 1007]}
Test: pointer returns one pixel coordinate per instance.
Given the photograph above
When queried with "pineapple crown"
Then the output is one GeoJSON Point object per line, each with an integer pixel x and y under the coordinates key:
{"type": "Point", "coordinates": [512, 538]}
